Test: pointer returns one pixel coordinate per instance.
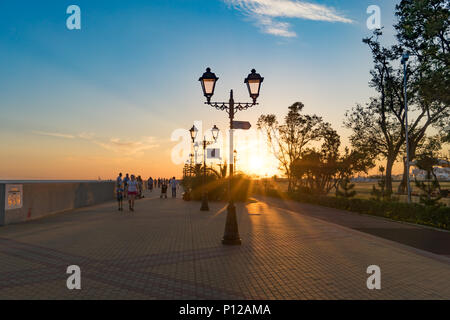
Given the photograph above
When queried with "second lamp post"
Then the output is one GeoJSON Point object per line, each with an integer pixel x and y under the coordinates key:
{"type": "Point", "coordinates": [205, 143]}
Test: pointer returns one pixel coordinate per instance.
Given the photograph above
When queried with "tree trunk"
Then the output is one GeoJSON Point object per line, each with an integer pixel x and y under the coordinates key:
{"type": "Point", "coordinates": [389, 165]}
{"type": "Point", "coordinates": [402, 187]}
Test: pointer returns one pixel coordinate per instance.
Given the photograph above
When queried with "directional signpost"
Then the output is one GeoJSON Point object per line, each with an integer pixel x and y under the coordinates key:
{"type": "Point", "coordinates": [244, 125]}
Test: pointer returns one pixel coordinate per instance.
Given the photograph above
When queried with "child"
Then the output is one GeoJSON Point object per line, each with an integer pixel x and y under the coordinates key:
{"type": "Point", "coordinates": [119, 194]}
{"type": "Point", "coordinates": [164, 190]}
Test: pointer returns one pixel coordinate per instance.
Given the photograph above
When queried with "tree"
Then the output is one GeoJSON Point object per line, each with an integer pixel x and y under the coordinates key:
{"type": "Point", "coordinates": [288, 141]}
{"type": "Point", "coordinates": [319, 171]}
{"type": "Point", "coordinates": [313, 173]}
{"type": "Point", "coordinates": [430, 187]}
{"type": "Point", "coordinates": [375, 126]}
{"type": "Point", "coordinates": [423, 30]}
{"type": "Point", "coordinates": [376, 134]}
{"type": "Point", "coordinates": [222, 171]}
{"type": "Point", "coordinates": [382, 193]}
{"type": "Point", "coordinates": [345, 189]}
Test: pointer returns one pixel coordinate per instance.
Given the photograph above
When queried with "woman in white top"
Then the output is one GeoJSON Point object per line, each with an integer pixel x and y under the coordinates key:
{"type": "Point", "coordinates": [132, 191]}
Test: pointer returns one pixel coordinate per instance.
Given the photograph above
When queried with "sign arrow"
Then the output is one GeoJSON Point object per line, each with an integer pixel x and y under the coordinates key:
{"type": "Point", "coordinates": [244, 125]}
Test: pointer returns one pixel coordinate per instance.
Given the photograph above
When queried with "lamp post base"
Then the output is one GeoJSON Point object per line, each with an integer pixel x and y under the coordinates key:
{"type": "Point", "coordinates": [205, 206]}
{"type": "Point", "coordinates": [231, 235]}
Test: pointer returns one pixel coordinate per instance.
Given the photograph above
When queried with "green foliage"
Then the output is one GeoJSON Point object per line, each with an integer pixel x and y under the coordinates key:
{"type": "Point", "coordinates": [289, 140]}
{"type": "Point", "coordinates": [414, 213]}
{"type": "Point", "coordinates": [215, 184]}
{"type": "Point", "coordinates": [381, 194]}
{"type": "Point", "coordinates": [431, 191]}
{"type": "Point", "coordinates": [345, 189]}
{"type": "Point", "coordinates": [423, 29]}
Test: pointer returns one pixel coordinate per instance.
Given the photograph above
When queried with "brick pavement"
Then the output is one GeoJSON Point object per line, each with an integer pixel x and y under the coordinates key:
{"type": "Point", "coordinates": [169, 249]}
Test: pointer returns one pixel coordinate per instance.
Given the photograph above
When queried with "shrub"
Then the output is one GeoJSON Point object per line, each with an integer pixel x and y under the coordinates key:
{"type": "Point", "coordinates": [415, 213]}
{"type": "Point", "coordinates": [217, 188]}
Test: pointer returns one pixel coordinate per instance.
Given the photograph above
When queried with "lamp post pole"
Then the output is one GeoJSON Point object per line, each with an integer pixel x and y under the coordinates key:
{"type": "Point", "coordinates": [196, 151]}
{"type": "Point", "coordinates": [208, 81]}
{"type": "Point", "coordinates": [215, 134]}
{"type": "Point", "coordinates": [408, 182]}
{"type": "Point", "coordinates": [193, 132]}
{"type": "Point", "coordinates": [205, 206]}
{"type": "Point", "coordinates": [231, 235]}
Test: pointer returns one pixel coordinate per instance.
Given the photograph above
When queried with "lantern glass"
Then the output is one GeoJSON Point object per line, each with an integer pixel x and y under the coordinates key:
{"type": "Point", "coordinates": [253, 87]}
{"type": "Point", "coordinates": [208, 81]}
{"type": "Point", "coordinates": [253, 82]}
{"type": "Point", "coordinates": [215, 132]}
{"type": "Point", "coordinates": [208, 86]}
{"type": "Point", "coordinates": [193, 132]}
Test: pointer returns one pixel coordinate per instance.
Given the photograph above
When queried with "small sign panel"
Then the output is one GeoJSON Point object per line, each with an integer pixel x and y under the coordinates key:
{"type": "Point", "coordinates": [245, 125]}
{"type": "Point", "coordinates": [13, 196]}
{"type": "Point", "coordinates": [213, 153]}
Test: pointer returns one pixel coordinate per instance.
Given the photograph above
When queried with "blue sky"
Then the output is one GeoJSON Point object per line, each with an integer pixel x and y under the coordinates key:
{"type": "Point", "coordinates": [129, 76]}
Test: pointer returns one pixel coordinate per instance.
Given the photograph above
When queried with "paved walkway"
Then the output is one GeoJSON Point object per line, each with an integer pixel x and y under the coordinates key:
{"type": "Point", "coordinates": [421, 237]}
{"type": "Point", "coordinates": [169, 249]}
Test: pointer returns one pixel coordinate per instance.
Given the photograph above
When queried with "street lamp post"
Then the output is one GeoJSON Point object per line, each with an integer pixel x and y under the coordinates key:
{"type": "Point", "coordinates": [205, 143]}
{"type": "Point", "coordinates": [208, 82]}
{"type": "Point", "coordinates": [405, 59]}
{"type": "Point", "coordinates": [196, 146]}
{"type": "Point", "coordinates": [193, 131]}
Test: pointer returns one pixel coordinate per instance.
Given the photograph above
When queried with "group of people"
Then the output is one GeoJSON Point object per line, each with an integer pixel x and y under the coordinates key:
{"type": "Point", "coordinates": [131, 187]}
{"type": "Point", "coordinates": [163, 184]}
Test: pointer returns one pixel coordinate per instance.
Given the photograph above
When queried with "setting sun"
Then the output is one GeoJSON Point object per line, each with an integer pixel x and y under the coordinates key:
{"type": "Point", "coordinates": [254, 158]}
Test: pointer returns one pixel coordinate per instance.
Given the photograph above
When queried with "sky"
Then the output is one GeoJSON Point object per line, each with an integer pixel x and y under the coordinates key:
{"type": "Point", "coordinates": [88, 103]}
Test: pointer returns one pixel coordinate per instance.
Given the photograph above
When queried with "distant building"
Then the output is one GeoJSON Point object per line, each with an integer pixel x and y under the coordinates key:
{"type": "Point", "coordinates": [363, 179]}
{"type": "Point", "coordinates": [441, 173]}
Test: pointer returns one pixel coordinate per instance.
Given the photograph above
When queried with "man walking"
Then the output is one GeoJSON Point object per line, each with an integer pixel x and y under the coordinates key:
{"type": "Point", "coordinates": [125, 185]}
{"type": "Point", "coordinates": [119, 192]}
{"type": "Point", "coordinates": [173, 184]}
{"type": "Point", "coordinates": [150, 184]}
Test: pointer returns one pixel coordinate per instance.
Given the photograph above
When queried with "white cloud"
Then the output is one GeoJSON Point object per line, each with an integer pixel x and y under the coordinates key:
{"type": "Point", "coordinates": [86, 135]}
{"type": "Point", "coordinates": [54, 134]}
{"type": "Point", "coordinates": [116, 145]}
{"type": "Point", "coordinates": [127, 147]}
{"type": "Point", "coordinates": [266, 12]}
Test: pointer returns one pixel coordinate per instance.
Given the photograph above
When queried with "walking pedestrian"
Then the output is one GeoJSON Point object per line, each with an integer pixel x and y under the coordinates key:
{"type": "Point", "coordinates": [150, 184]}
{"type": "Point", "coordinates": [173, 184]}
{"type": "Point", "coordinates": [140, 187]}
{"type": "Point", "coordinates": [163, 190]}
{"type": "Point", "coordinates": [119, 194]}
{"type": "Point", "coordinates": [132, 192]}
{"type": "Point", "coordinates": [125, 185]}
